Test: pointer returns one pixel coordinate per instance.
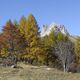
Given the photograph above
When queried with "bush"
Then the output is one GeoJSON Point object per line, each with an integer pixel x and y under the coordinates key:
{"type": "Point", "coordinates": [72, 68]}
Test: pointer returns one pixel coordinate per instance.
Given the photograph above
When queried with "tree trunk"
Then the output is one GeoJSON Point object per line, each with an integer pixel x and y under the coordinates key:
{"type": "Point", "coordinates": [64, 66]}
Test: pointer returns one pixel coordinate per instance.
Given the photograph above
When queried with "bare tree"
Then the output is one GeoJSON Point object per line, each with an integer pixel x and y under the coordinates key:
{"type": "Point", "coordinates": [64, 51]}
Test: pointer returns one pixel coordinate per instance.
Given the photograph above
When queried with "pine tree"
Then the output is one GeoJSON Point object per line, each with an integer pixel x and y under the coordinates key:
{"type": "Point", "coordinates": [77, 50]}
{"type": "Point", "coordinates": [62, 37]}
{"type": "Point", "coordinates": [22, 24]}
{"type": "Point", "coordinates": [3, 46]}
{"type": "Point", "coordinates": [32, 36]}
{"type": "Point", "coordinates": [13, 40]}
{"type": "Point", "coordinates": [49, 42]}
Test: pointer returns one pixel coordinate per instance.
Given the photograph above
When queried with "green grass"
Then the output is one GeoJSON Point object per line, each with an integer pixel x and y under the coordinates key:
{"type": "Point", "coordinates": [35, 73]}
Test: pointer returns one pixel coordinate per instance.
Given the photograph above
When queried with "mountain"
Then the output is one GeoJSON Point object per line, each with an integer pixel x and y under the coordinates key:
{"type": "Point", "coordinates": [56, 27]}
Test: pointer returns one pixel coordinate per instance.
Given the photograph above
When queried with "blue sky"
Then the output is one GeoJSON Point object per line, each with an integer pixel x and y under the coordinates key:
{"type": "Point", "coordinates": [65, 12]}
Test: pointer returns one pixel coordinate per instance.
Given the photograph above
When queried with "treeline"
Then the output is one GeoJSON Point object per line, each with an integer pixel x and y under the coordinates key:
{"type": "Point", "coordinates": [21, 41]}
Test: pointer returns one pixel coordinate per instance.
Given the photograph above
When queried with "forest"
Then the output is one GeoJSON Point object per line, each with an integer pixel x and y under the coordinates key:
{"type": "Point", "coordinates": [21, 42]}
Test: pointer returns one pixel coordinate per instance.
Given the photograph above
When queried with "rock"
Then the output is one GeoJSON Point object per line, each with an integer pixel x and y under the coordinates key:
{"type": "Point", "coordinates": [13, 66]}
{"type": "Point", "coordinates": [48, 68]}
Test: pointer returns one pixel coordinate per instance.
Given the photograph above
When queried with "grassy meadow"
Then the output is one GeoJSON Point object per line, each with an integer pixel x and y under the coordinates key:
{"type": "Point", "coordinates": [28, 72]}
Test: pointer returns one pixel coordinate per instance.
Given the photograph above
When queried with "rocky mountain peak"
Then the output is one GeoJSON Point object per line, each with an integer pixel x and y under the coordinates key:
{"type": "Point", "coordinates": [56, 27]}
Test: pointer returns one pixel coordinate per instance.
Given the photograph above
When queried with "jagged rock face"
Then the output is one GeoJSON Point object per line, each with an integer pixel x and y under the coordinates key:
{"type": "Point", "coordinates": [56, 27]}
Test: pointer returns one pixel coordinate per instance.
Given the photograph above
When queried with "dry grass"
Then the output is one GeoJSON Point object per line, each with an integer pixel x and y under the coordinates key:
{"type": "Point", "coordinates": [35, 73]}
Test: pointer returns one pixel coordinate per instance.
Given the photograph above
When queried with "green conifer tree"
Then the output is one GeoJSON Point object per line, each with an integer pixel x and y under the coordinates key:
{"type": "Point", "coordinates": [77, 50]}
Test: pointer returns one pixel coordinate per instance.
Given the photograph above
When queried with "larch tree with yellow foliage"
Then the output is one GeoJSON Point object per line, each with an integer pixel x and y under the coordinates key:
{"type": "Point", "coordinates": [34, 52]}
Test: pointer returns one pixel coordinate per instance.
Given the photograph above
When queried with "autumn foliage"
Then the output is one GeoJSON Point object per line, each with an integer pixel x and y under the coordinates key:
{"type": "Point", "coordinates": [22, 42]}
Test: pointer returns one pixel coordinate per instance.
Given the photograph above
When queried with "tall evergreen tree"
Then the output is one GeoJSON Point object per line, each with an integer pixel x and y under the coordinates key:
{"type": "Point", "coordinates": [3, 46]}
{"type": "Point", "coordinates": [32, 36]}
{"type": "Point", "coordinates": [22, 24]}
{"type": "Point", "coordinates": [77, 50]}
{"type": "Point", "coordinates": [13, 39]}
{"type": "Point", "coordinates": [49, 42]}
{"type": "Point", "coordinates": [62, 37]}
